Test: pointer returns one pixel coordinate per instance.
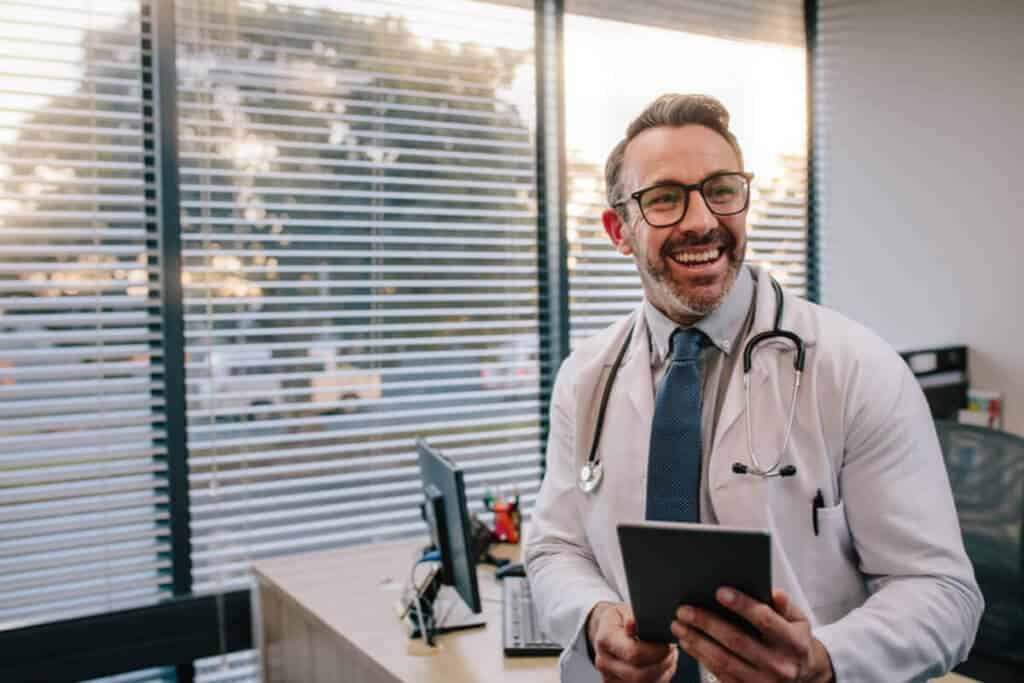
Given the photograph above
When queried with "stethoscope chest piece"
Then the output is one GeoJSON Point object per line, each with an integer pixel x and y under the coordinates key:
{"type": "Point", "coordinates": [590, 476]}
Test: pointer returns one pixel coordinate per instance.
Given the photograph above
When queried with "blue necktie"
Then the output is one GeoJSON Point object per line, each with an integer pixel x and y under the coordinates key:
{"type": "Point", "coordinates": [673, 467]}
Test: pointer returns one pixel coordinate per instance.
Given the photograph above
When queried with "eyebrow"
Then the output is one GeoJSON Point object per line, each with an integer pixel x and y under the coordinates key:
{"type": "Point", "coordinates": [667, 179]}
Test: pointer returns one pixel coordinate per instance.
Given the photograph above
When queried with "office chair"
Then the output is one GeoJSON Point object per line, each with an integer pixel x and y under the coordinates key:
{"type": "Point", "coordinates": [986, 471]}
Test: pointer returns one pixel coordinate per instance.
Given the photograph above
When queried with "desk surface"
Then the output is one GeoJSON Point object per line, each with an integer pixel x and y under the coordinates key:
{"type": "Point", "coordinates": [345, 601]}
{"type": "Point", "coordinates": [351, 593]}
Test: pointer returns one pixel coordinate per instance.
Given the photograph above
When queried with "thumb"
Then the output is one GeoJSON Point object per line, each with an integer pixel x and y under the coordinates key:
{"type": "Point", "coordinates": [630, 625]}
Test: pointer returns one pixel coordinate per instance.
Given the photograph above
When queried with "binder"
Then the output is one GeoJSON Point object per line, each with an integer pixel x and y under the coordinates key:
{"type": "Point", "coordinates": [942, 372]}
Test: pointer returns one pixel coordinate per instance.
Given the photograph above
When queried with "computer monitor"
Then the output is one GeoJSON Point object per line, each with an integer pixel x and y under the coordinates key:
{"type": "Point", "coordinates": [448, 518]}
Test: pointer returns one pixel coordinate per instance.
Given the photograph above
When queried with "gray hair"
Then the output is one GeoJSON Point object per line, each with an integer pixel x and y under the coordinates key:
{"type": "Point", "coordinates": [669, 110]}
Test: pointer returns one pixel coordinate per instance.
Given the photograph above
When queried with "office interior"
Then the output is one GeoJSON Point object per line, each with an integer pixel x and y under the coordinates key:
{"type": "Point", "coordinates": [251, 251]}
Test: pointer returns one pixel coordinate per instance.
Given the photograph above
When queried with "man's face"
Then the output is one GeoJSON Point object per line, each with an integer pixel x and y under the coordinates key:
{"type": "Point", "coordinates": [686, 268]}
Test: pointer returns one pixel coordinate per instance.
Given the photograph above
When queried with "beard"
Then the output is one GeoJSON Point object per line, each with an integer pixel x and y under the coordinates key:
{"type": "Point", "coordinates": [681, 301]}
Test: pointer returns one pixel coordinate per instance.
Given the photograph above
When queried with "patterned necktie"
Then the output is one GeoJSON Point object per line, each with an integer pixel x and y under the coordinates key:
{"type": "Point", "coordinates": [673, 467]}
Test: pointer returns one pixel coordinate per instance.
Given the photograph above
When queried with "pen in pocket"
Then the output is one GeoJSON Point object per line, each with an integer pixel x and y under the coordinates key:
{"type": "Point", "coordinates": [816, 504]}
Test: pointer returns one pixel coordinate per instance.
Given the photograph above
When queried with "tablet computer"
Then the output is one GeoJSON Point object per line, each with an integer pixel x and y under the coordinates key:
{"type": "Point", "coordinates": [669, 564]}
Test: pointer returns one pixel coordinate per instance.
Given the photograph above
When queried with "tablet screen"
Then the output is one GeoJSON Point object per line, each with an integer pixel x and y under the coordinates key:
{"type": "Point", "coordinates": [669, 564]}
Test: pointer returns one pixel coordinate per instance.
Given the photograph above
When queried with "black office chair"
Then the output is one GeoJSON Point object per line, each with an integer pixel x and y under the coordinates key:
{"type": "Point", "coordinates": [986, 471]}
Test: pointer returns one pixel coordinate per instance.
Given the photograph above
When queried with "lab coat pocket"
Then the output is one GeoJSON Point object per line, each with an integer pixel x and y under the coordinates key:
{"type": "Point", "coordinates": [830, 573]}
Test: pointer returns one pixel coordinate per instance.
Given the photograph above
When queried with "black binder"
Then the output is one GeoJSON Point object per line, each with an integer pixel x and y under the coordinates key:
{"type": "Point", "coordinates": [942, 372]}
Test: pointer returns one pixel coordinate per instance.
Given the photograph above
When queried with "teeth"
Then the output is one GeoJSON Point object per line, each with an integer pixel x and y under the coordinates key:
{"type": "Point", "coordinates": [699, 257]}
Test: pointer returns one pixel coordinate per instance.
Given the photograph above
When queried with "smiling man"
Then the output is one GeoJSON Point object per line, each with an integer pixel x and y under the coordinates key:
{"type": "Point", "coordinates": [647, 423]}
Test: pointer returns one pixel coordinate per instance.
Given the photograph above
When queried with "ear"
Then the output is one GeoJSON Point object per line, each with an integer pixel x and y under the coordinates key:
{"type": "Point", "coordinates": [615, 228]}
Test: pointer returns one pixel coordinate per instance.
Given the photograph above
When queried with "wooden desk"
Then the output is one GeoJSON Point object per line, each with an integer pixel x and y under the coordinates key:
{"type": "Point", "coordinates": [329, 616]}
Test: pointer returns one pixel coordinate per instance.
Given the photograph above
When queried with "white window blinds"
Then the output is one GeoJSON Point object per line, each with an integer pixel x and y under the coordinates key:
{"type": "Point", "coordinates": [750, 56]}
{"type": "Point", "coordinates": [770, 21]}
{"type": "Point", "coordinates": [82, 463]}
{"type": "Point", "coordinates": [359, 229]}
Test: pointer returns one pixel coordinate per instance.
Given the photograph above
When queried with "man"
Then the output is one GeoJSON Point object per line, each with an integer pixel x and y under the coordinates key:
{"type": "Point", "coordinates": [879, 587]}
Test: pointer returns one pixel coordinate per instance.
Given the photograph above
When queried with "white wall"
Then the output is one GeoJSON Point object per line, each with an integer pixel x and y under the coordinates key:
{"type": "Point", "coordinates": [921, 129]}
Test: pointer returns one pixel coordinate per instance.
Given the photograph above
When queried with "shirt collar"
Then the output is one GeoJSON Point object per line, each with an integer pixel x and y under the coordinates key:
{"type": "Point", "coordinates": [722, 326]}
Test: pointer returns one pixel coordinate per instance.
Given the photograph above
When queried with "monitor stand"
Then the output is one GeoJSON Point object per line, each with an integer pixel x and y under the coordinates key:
{"type": "Point", "coordinates": [438, 609]}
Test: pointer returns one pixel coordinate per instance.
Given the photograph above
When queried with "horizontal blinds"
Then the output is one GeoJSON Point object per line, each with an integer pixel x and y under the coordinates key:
{"type": "Point", "coordinates": [232, 667]}
{"type": "Point", "coordinates": [83, 503]}
{"type": "Point", "coordinates": [164, 675]}
{"type": "Point", "coordinates": [360, 268]}
{"type": "Point", "coordinates": [771, 21]}
{"type": "Point", "coordinates": [604, 284]}
{"type": "Point", "coordinates": [777, 223]}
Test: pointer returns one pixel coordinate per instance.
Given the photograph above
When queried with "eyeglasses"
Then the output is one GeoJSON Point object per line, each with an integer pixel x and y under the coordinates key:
{"type": "Point", "coordinates": [665, 204]}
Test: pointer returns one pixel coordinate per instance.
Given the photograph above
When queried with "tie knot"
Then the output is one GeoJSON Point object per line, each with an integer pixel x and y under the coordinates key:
{"type": "Point", "coordinates": [686, 344]}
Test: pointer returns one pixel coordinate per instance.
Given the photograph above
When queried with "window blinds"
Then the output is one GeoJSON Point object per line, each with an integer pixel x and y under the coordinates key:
{"type": "Point", "coordinates": [773, 21]}
{"type": "Point", "coordinates": [359, 221]}
{"type": "Point", "coordinates": [82, 463]}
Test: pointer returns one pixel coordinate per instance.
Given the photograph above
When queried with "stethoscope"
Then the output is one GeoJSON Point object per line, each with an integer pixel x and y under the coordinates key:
{"type": "Point", "coordinates": [592, 471]}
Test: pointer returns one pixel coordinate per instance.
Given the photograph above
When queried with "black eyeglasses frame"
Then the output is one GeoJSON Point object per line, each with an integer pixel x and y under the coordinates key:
{"type": "Point", "coordinates": [687, 189]}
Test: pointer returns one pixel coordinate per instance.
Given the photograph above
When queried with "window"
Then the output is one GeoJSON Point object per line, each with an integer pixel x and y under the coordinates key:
{"type": "Point", "coordinates": [82, 463]}
{"type": "Point", "coordinates": [359, 239]}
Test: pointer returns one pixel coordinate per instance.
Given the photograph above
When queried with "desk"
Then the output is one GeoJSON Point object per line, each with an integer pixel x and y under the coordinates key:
{"type": "Point", "coordinates": [328, 616]}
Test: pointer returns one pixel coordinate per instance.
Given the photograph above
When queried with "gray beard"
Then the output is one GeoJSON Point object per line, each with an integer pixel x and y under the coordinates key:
{"type": "Point", "coordinates": [675, 304]}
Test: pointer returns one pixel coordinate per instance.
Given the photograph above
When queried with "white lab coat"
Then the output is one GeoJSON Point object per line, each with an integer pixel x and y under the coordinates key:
{"type": "Point", "coordinates": [887, 584]}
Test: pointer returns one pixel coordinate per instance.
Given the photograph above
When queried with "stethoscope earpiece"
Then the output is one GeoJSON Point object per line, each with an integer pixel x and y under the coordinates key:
{"type": "Point", "coordinates": [787, 471]}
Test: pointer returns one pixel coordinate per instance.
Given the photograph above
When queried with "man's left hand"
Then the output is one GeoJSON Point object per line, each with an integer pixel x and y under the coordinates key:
{"type": "Point", "coordinates": [786, 651]}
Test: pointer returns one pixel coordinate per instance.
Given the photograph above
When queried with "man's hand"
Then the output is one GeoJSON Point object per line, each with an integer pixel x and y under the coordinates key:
{"type": "Point", "coordinates": [618, 655]}
{"type": "Point", "coordinates": [786, 651]}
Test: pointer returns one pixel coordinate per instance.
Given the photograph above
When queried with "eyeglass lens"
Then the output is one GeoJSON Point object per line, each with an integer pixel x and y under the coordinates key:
{"type": "Point", "coordinates": [666, 204]}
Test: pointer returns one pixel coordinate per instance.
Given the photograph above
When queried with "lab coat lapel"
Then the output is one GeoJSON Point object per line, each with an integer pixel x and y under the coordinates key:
{"type": "Point", "coordinates": [735, 405]}
{"type": "Point", "coordinates": [636, 380]}
{"type": "Point", "coordinates": [627, 390]}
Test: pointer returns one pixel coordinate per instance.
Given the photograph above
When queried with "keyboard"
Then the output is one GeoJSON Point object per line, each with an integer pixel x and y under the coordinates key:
{"type": "Point", "coordinates": [521, 633]}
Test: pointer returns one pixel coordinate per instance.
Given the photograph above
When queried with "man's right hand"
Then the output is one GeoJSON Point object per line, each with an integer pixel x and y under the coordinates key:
{"type": "Point", "coordinates": [618, 655]}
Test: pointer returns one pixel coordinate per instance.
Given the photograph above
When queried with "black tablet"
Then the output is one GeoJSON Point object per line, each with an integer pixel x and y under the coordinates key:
{"type": "Point", "coordinates": [669, 564]}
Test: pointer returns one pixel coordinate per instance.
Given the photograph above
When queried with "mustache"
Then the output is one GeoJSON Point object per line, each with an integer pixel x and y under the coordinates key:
{"type": "Point", "coordinates": [716, 237]}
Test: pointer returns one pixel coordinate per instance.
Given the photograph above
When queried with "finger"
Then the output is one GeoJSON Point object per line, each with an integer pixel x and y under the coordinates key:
{"type": "Point", "coordinates": [670, 670]}
{"type": "Point", "coordinates": [613, 668]}
{"type": "Point", "coordinates": [736, 641]}
{"type": "Point", "coordinates": [716, 659]}
{"type": "Point", "coordinates": [784, 606]}
{"type": "Point", "coordinates": [631, 628]}
{"type": "Point", "coordinates": [763, 617]}
{"type": "Point", "coordinates": [618, 644]}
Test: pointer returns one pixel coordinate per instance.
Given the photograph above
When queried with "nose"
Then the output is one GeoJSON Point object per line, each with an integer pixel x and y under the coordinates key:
{"type": "Point", "coordinates": [698, 218]}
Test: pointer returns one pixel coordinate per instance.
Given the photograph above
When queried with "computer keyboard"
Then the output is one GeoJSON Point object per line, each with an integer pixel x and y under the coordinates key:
{"type": "Point", "coordinates": [521, 633]}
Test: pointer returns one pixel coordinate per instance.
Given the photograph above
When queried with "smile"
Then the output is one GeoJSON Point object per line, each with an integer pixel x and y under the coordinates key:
{"type": "Point", "coordinates": [696, 258]}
